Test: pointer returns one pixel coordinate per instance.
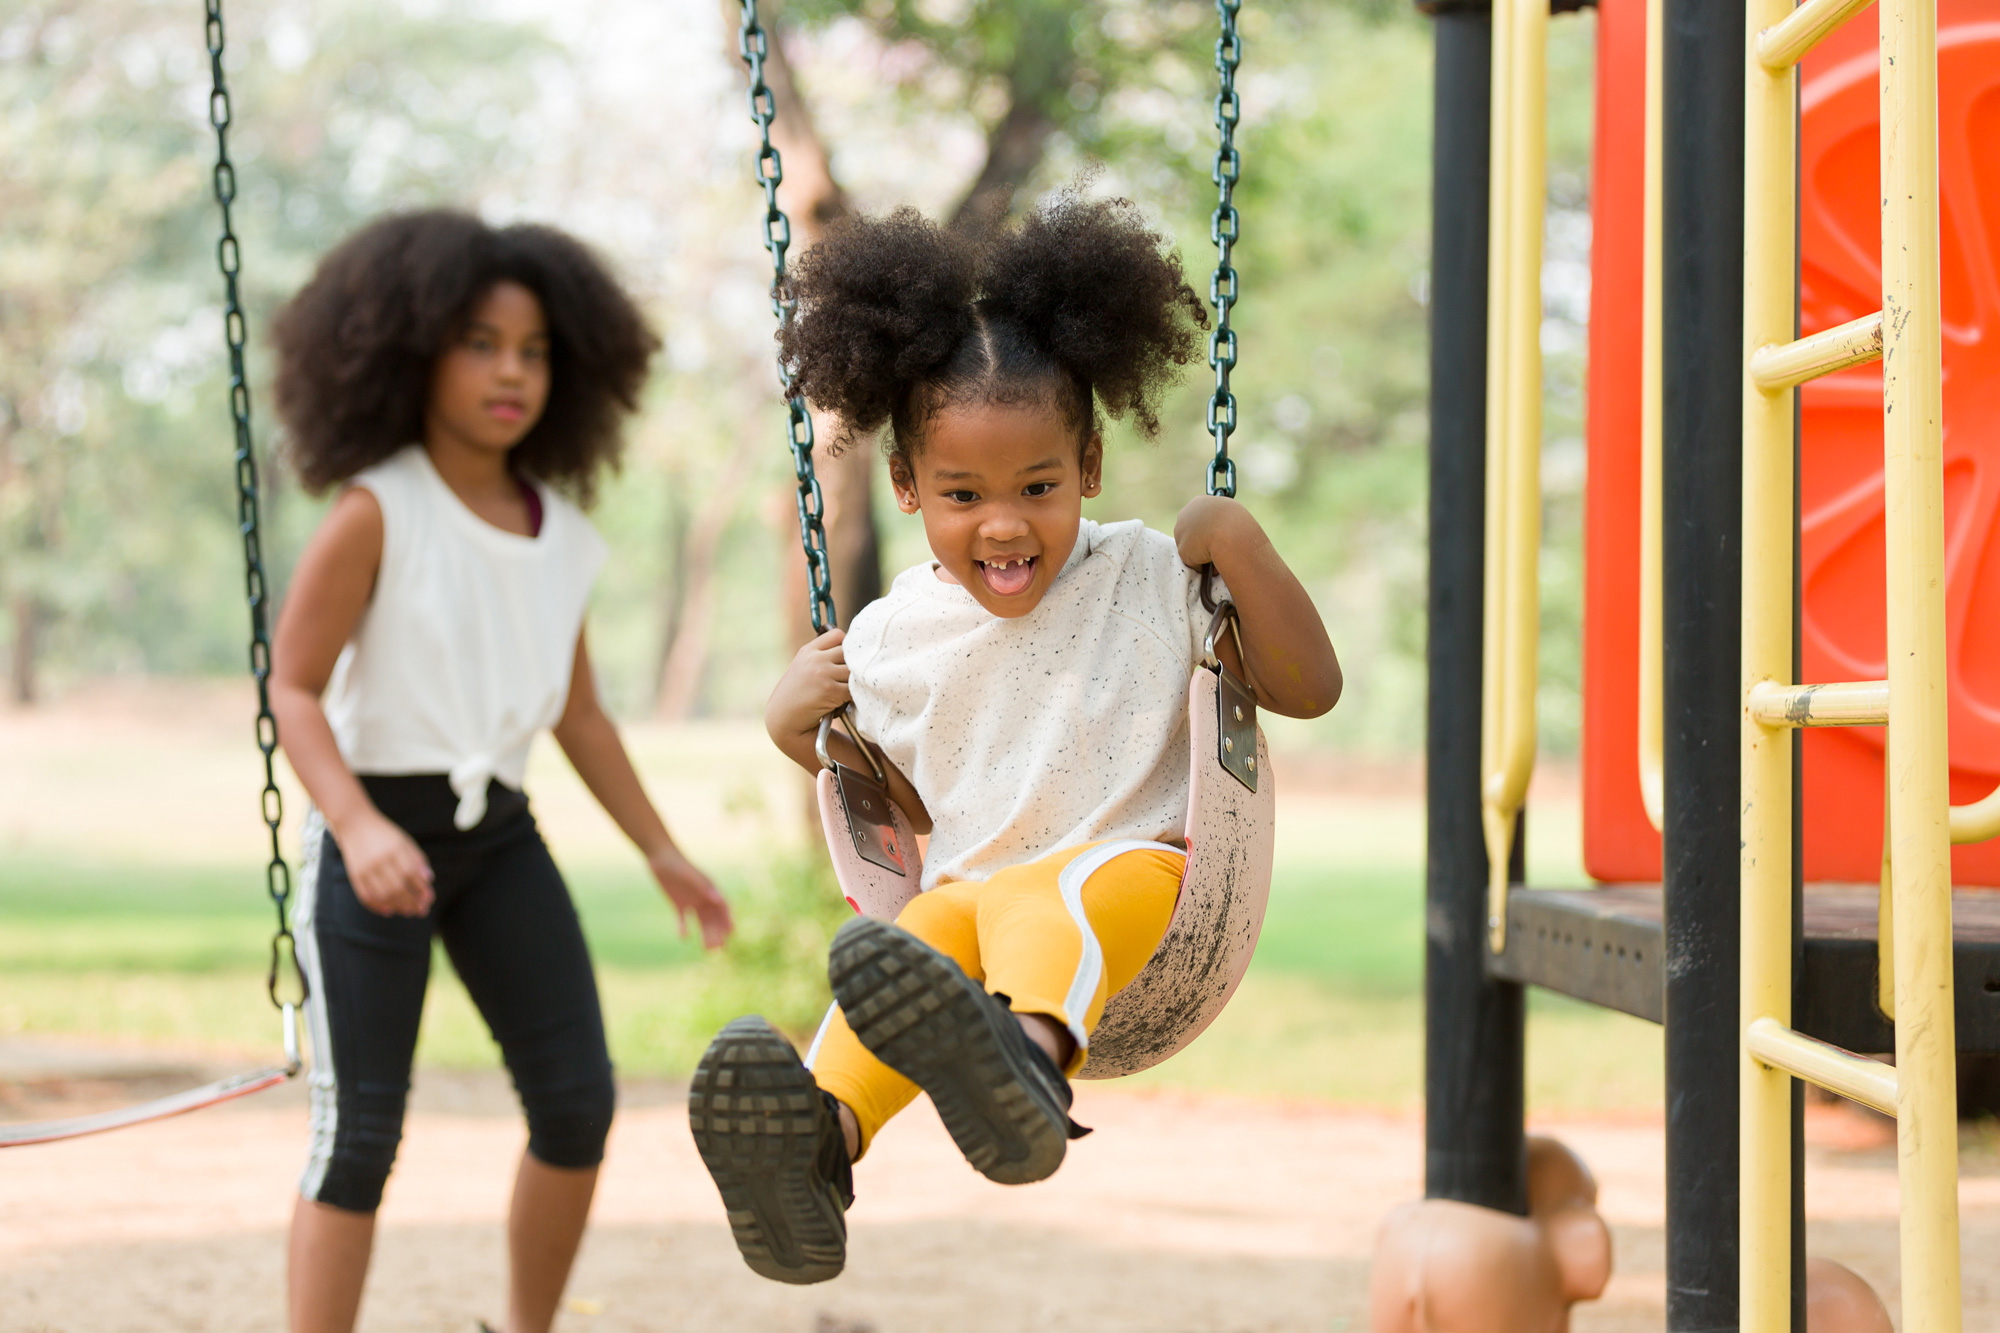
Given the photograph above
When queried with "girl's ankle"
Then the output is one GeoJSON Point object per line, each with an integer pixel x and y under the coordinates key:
{"type": "Point", "coordinates": [1054, 1039]}
{"type": "Point", "coordinates": [850, 1131]}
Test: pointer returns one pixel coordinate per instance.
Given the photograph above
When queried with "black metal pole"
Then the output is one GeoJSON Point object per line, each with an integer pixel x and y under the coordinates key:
{"type": "Point", "coordinates": [1474, 1028]}
{"type": "Point", "coordinates": [1701, 499]}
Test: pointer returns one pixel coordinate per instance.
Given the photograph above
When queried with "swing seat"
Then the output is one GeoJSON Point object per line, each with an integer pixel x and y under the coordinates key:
{"type": "Point", "coordinates": [1208, 944]}
{"type": "Point", "coordinates": [179, 1103]}
{"type": "Point", "coordinates": [22, 1135]}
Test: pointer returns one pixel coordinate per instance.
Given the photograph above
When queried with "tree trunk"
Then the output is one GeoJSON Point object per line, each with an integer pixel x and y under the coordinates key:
{"type": "Point", "coordinates": [687, 652]}
{"type": "Point", "coordinates": [27, 613]}
{"type": "Point", "coordinates": [673, 589]}
{"type": "Point", "coordinates": [1013, 150]}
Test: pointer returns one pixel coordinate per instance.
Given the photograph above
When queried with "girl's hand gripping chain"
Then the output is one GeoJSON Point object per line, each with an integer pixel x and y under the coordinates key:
{"type": "Point", "coordinates": [1290, 666]}
{"type": "Point", "coordinates": [814, 685]}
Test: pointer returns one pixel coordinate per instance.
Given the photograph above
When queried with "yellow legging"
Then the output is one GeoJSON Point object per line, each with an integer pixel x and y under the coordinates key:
{"type": "Point", "coordinates": [1018, 933]}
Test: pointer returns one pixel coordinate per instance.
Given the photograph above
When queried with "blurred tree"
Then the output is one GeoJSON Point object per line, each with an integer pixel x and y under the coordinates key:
{"type": "Point", "coordinates": [114, 445]}
{"type": "Point", "coordinates": [117, 542]}
{"type": "Point", "coordinates": [1030, 70]}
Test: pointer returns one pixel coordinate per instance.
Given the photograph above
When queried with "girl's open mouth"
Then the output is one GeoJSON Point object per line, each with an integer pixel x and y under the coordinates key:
{"type": "Point", "coordinates": [1009, 577]}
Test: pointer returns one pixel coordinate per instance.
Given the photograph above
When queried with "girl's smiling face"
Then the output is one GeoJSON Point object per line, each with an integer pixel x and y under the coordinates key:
{"type": "Point", "coordinates": [1001, 490]}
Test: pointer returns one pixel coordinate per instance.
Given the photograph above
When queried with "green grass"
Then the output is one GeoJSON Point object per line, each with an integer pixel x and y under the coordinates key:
{"type": "Point", "coordinates": [1332, 1007]}
{"type": "Point", "coordinates": [66, 917]}
{"type": "Point", "coordinates": [1357, 929]}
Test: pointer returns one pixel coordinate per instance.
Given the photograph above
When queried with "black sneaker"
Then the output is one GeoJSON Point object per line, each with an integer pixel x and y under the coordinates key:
{"type": "Point", "coordinates": [1004, 1101]}
{"type": "Point", "coordinates": [772, 1141]}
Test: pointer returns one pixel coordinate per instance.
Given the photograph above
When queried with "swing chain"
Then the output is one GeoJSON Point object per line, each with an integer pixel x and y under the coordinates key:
{"type": "Point", "coordinates": [753, 43]}
{"type": "Point", "coordinates": [1224, 229]}
{"type": "Point", "coordinates": [228, 254]}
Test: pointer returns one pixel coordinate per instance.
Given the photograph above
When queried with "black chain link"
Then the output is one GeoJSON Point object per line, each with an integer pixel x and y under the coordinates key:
{"type": "Point", "coordinates": [228, 256]}
{"type": "Point", "coordinates": [1224, 229]}
{"type": "Point", "coordinates": [754, 44]}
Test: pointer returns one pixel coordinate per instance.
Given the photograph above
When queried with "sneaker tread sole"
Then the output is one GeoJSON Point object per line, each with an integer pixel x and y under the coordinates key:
{"type": "Point", "coordinates": [915, 1009]}
{"type": "Point", "coordinates": [755, 1114]}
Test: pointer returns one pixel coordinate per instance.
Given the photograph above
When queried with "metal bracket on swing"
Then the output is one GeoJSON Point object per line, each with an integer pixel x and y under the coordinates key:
{"type": "Point", "coordinates": [1235, 706]}
{"type": "Point", "coordinates": [871, 817]}
{"type": "Point", "coordinates": [285, 963]}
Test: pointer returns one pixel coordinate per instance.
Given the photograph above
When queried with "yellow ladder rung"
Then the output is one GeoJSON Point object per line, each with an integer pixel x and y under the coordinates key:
{"type": "Point", "coordinates": [1852, 1076]}
{"type": "Point", "coordinates": [1783, 45]}
{"type": "Point", "coordinates": [1775, 368]}
{"type": "Point", "coordinates": [1854, 703]}
{"type": "Point", "coordinates": [1978, 820]}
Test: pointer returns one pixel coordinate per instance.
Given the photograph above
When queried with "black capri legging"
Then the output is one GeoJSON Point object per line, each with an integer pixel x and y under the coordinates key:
{"type": "Point", "coordinates": [507, 922]}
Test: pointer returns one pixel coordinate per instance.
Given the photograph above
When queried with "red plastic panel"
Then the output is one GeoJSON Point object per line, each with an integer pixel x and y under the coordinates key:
{"type": "Point", "coordinates": [1618, 842]}
{"type": "Point", "coordinates": [1841, 467]}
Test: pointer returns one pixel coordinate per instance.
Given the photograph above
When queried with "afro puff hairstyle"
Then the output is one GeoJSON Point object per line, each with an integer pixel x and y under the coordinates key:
{"type": "Point", "coordinates": [1080, 305]}
{"type": "Point", "coordinates": [357, 344]}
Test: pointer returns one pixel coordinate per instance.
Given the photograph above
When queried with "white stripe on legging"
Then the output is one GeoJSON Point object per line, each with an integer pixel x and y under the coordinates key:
{"type": "Point", "coordinates": [323, 1088]}
{"type": "Point", "coordinates": [1090, 967]}
{"type": "Point", "coordinates": [812, 1052]}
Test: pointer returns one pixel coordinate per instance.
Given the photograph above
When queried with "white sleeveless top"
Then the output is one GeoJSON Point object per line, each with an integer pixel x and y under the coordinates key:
{"type": "Point", "coordinates": [465, 649]}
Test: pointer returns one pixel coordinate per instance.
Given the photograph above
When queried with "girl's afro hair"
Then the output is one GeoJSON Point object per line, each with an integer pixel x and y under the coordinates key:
{"type": "Point", "coordinates": [899, 317]}
{"type": "Point", "coordinates": [357, 344]}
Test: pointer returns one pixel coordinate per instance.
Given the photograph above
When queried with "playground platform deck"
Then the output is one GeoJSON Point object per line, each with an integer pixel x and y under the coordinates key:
{"type": "Point", "coordinates": [1605, 946]}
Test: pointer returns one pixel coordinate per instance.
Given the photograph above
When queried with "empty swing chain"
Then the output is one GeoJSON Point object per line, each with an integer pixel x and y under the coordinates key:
{"type": "Point", "coordinates": [277, 874]}
{"type": "Point", "coordinates": [1224, 229]}
{"type": "Point", "coordinates": [754, 44]}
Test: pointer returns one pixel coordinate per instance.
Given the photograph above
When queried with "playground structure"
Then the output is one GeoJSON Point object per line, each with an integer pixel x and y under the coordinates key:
{"type": "Point", "coordinates": [1707, 512]}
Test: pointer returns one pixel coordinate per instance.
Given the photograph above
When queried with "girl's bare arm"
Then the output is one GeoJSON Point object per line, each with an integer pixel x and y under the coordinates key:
{"type": "Point", "coordinates": [329, 592]}
{"type": "Point", "coordinates": [591, 741]}
{"type": "Point", "coordinates": [1291, 665]}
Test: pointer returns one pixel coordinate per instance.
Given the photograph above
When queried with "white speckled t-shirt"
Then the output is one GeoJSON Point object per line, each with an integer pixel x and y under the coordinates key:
{"type": "Point", "coordinates": [1062, 727]}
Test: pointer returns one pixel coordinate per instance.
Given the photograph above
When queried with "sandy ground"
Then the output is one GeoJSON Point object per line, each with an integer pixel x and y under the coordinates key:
{"type": "Point", "coordinates": [1182, 1214]}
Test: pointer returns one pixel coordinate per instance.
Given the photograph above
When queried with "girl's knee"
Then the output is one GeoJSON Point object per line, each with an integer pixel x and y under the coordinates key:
{"type": "Point", "coordinates": [567, 1125]}
{"type": "Point", "coordinates": [948, 921]}
{"type": "Point", "coordinates": [349, 1168]}
{"type": "Point", "coordinates": [924, 914]}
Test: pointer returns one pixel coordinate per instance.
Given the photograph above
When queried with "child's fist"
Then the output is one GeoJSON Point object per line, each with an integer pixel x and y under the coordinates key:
{"type": "Point", "coordinates": [814, 685]}
{"type": "Point", "coordinates": [1209, 523]}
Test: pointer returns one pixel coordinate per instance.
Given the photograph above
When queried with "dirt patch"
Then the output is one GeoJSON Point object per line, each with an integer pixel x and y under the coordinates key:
{"type": "Point", "coordinates": [1184, 1212]}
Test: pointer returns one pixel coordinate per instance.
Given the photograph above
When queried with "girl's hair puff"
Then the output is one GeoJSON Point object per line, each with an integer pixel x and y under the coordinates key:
{"type": "Point", "coordinates": [357, 345]}
{"type": "Point", "coordinates": [1080, 305]}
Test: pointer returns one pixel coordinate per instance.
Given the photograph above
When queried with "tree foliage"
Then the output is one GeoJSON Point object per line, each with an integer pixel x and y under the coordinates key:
{"type": "Point", "coordinates": [625, 123]}
{"type": "Point", "coordinates": [116, 511]}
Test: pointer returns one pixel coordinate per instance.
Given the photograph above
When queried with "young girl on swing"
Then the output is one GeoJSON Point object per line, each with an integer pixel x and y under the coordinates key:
{"type": "Point", "coordinates": [1026, 687]}
{"type": "Point", "coordinates": [455, 381]}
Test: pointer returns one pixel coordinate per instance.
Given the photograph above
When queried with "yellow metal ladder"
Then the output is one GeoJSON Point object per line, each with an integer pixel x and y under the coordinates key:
{"type": "Point", "coordinates": [1920, 1089]}
{"type": "Point", "coordinates": [1512, 620]}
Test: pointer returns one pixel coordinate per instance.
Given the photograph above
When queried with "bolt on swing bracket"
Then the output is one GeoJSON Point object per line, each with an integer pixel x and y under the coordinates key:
{"type": "Point", "coordinates": [863, 798]}
{"type": "Point", "coordinates": [1235, 706]}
